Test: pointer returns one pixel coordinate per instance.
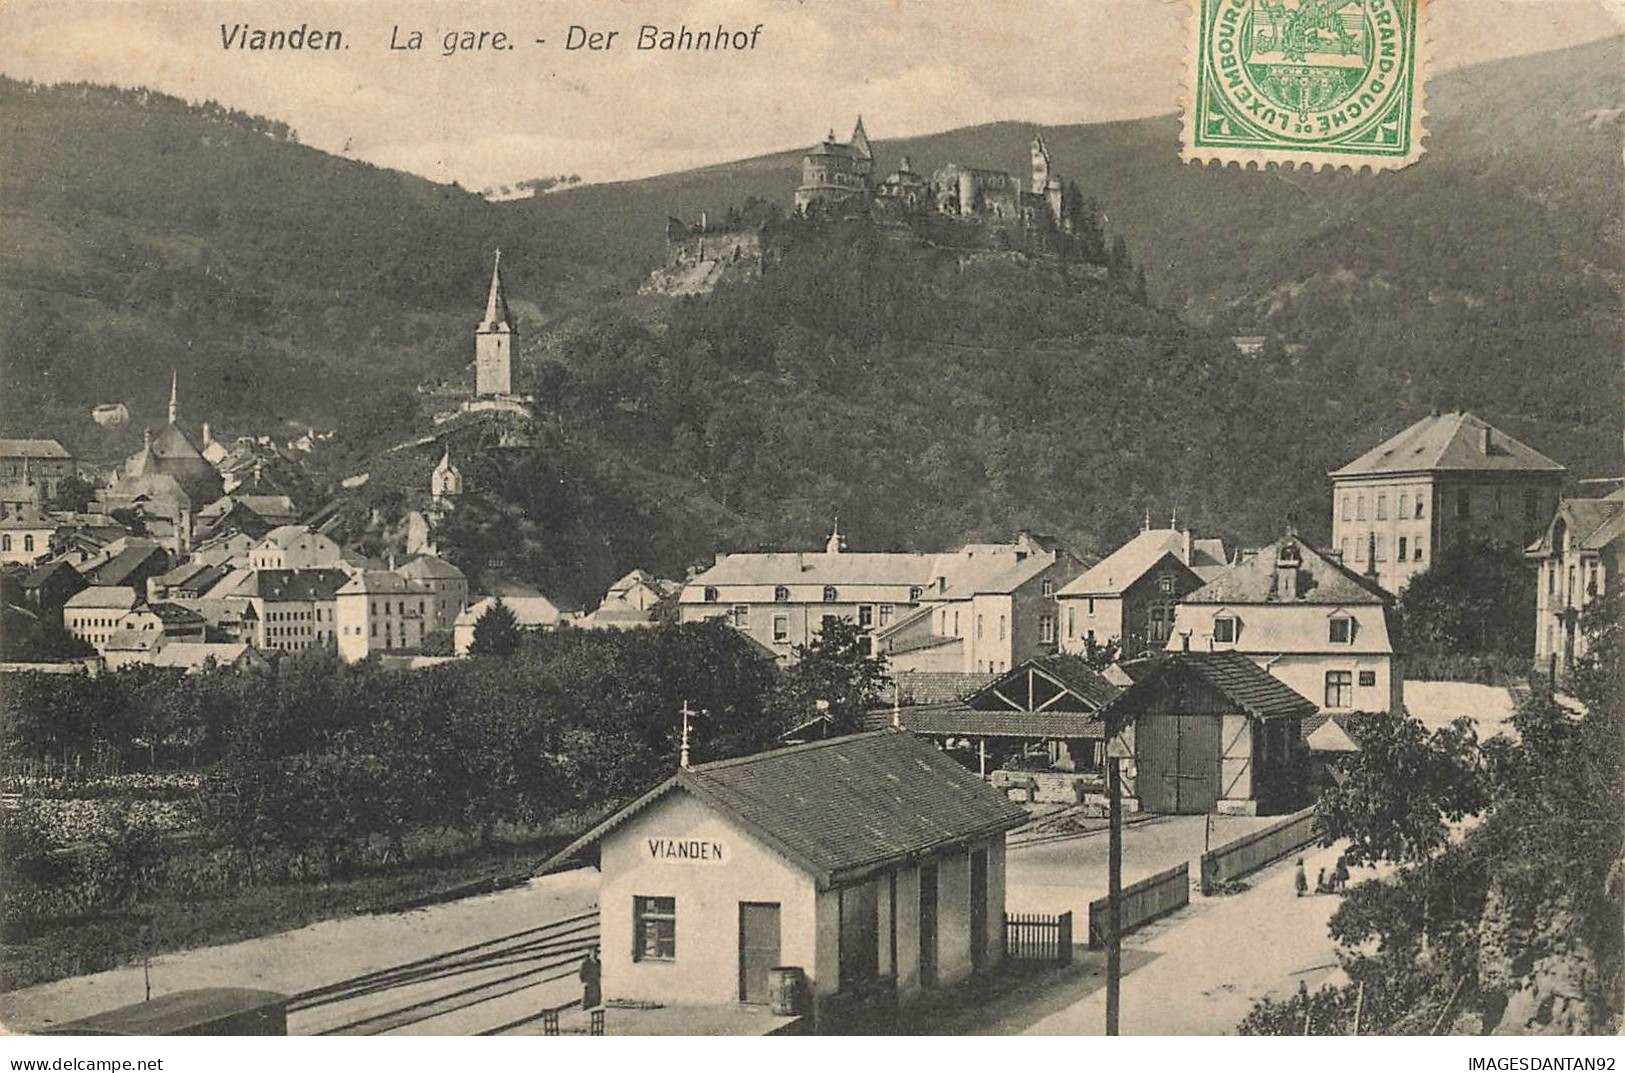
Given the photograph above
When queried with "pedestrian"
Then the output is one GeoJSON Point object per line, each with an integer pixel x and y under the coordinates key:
{"type": "Point", "coordinates": [1340, 876]}
{"type": "Point", "coordinates": [1321, 886]}
{"type": "Point", "coordinates": [1301, 881]}
{"type": "Point", "coordinates": [592, 995]}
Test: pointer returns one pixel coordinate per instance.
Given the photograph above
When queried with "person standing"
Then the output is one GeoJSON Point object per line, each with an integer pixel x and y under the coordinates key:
{"type": "Point", "coordinates": [592, 995]}
{"type": "Point", "coordinates": [1301, 881]}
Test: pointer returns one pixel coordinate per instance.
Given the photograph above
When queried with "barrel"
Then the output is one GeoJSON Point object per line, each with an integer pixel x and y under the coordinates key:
{"type": "Point", "coordinates": [785, 986]}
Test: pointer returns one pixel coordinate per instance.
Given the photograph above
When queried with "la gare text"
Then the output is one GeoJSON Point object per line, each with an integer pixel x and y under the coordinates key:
{"type": "Point", "coordinates": [649, 37]}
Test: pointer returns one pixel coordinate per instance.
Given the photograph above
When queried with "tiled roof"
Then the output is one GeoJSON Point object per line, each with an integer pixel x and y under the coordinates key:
{"type": "Point", "coordinates": [126, 562]}
{"type": "Point", "coordinates": [382, 582]}
{"type": "Point", "coordinates": [283, 536]}
{"type": "Point", "coordinates": [121, 597]}
{"type": "Point", "coordinates": [1328, 733]}
{"type": "Point", "coordinates": [32, 449]}
{"type": "Point", "coordinates": [1003, 577]}
{"type": "Point", "coordinates": [1123, 567]}
{"type": "Point", "coordinates": [191, 654]}
{"type": "Point", "coordinates": [1592, 523]}
{"type": "Point", "coordinates": [1453, 441]}
{"type": "Point", "coordinates": [175, 615]}
{"type": "Point", "coordinates": [1236, 678]}
{"type": "Point", "coordinates": [41, 574]}
{"type": "Point", "coordinates": [130, 639]}
{"type": "Point", "coordinates": [921, 643]}
{"type": "Point", "coordinates": [935, 687]}
{"type": "Point", "coordinates": [430, 566]}
{"type": "Point", "coordinates": [28, 518]}
{"type": "Point", "coordinates": [1320, 580]}
{"type": "Point", "coordinates": [320, 583]}
{"type": "Point", "coordinates": [843, 808]}
{"type": "Point", "coordinates": [527, 610]}
{"type": "Point", "coordinates": [957, 719]}
{"type": "Point", "coordinates": [1075, 674]}
{"type": "Point", "coordinates": [816, 568]}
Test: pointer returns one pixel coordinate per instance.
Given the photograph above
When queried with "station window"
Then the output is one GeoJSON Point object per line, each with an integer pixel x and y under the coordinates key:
{"type": "Point", "coordinates": [654, 929]}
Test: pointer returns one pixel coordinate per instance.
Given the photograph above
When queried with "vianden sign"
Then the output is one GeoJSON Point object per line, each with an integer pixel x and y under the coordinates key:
{"type": "Point", "coordinates": [685, 850]}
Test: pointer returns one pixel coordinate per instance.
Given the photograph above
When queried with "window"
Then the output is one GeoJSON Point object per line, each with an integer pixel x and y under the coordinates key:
{"type": "Point", "coordinates": [654, 929]}
{"type": "Point", "coordinates": [1091, 607]}
{"type": "Point", "coordinates": [956, 625]}
{"type": "Point", "coordinates": [1001, 627]}
{"type": "Point", "coordinates": [1382, 508]}
{"type": "Point", "coordinates": [1401, 556]}
{"type": "Point", "coordinates": [710, 595]}
{"type": "Point", "coordinates": [829, 594]}
{"type": "Point", "coordinates": [1346, 508]}
{"type": "Point", "coordinates": [1420, 509]}
{"type": "Point", "coordinates": [781, 629]}
{"type": "Point", "coordinates": [978, 627]}
{"type": "Point", "coordinates": [1159, 626]}
{"type": "Point", "coordinates": [866, 615]}
{"type": "Point", "coordinates": [1368, 678]}
{"type": "Point", "coordinates": [781, 594]}
{"type": "Point", "coordinates": [1046, 629]}
{"type": "Point", "coordinates": [1339, 689]}
{"type": "Point", "coordinates": [1416, 553]}
{"type": "Point", "coordinates": [1071, 622]}
{"type": "Point", "coordinates": [1165, 583]}
{"type": "Point", "coordinates": [1359, 507]}
{"type": "Point", "coordinates": [1379, 552]}
{"type": "Point", "coordinates": [1464, 503]}
{"type": "Point", "coordinates": [1224, 630]}
{"type": "Point", "coordinates": [914, 593]}
{"type": "Point", "coordinates": [741, 616]}
{"type": "Point", "coordinates": [885, 615]}
{"type": "Point", "coordinates": [28, 541]}
{"type": "Point", "coordinates": [1048, 588]}
{"type": "Point", "coordinates": [1359, 551]}
{"type": "Point", "coordinates": [1340, 630]}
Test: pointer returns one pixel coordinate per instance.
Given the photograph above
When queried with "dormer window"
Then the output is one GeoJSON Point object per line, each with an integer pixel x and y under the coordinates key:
{"type": "Point", "coordinates": [914, 593]}
{"type": "Point", "coordinates": [1340, 630]}
{"type": "Point", "coordinates": [781, 594]}
{"type": "Point", "coordinates": [829, 594]}
{"type": "Point", "coordinates": [710, 595]}
{"type": "Point", "coordinates": [1049, 588]}
{"type": "Point", "coordinates": [1224, 630]}
{"type": "Point", "coordinates": [1165, 583]}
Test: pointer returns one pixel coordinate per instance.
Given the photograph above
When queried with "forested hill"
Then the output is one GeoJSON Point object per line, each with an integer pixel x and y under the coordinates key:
{"type": "Point", "coordinates": [922, 402]}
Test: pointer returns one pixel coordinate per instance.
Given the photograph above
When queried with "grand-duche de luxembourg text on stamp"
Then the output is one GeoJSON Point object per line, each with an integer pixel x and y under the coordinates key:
{"type": "Point", "coordinates": [1318, 83]}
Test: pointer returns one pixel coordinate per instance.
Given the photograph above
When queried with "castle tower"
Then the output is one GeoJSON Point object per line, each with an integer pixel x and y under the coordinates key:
{"type": "Point", "coordinates": [493, 341]}
{"type": "Point", "coordinates": [1041, 174]}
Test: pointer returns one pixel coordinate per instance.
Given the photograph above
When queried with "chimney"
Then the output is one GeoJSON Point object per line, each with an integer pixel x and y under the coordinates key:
{"type": "Point", "coordinates": [1187, 547]}
{"type": "Point", "coordinates": [1488, 439]}
{"type": "Point", "coordinates": [207, 439]}
{"type": "Point", "coordinates": [1371, 555]}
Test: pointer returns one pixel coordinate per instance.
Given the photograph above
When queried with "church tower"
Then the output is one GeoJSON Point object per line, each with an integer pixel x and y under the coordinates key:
{"type": "Point", "coordinates": [1040, 165]}
{"type": "Point", "coordinates": [493, 341]}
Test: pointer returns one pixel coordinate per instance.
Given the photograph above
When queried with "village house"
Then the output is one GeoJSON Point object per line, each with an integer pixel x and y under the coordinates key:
{"type": "Point", "coordinates": [166, 620]}
{"type": "Point", "coordinates": [782, 599]}
{"type": "Point", "coordinates": [1210, 732]}
{"type": "Point", "coordinates": [872, 864]}
{"type": "Point", "coordinates": [25, 537]}
{"type": "Point", "coordinates": [531, 612]}
{"type": "Point", "coordinates": [380, 611]}
{"type": "Point", "coordinates": [48, 586]}
{"type": "Point", "coordinates": [39, 464]}
{"type": "Point", "coordinates": [1448, 477]}
{"type": "Point", "coordinates": [1307, 619]}
{"type": "Point", "coordinates": [194, 657]}
{"type": "Point", "coordinates": [631, 602]}
{"type": "Point", "coordinates": [290, 610]}
{"type": "Point", "coordinates": [1579, 555]}
{"type": "Point", "coordinates": [445, 582]}
{"type": "Point", "coordinates": [986, 608]}
{"type": "Point", "coordinates": [94, 613]}
{"type": "Point", "coordinates": [127, 561]}
{"type": "Point", "coordinates": [1128, 598]}
{"type": "Point", "coordinates": [293, 547]}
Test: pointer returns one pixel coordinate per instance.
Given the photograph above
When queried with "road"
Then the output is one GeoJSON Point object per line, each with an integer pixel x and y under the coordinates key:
{"type": "Point", "coordinates": [1054, 877]}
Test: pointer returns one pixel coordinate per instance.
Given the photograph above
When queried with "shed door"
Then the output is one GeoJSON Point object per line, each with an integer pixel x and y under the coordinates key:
{"type": "Point", "coordinates": [758, 948]}
{"type": "Point", "coordinates": [1177, 757]}
{"type": "Point", "coordinates": [928, 925]}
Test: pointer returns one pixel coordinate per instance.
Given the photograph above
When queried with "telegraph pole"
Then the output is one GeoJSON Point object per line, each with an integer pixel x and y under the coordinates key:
{"type": "Point", "coordinates": [1114, 894]}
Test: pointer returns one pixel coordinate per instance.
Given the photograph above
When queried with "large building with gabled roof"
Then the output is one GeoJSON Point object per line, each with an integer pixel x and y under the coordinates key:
{"type": "Point", "coordinates": [1128, 598]}
{"type": "Point", "coordinates": [1578, 556]}
{"type": "Point", "coordinates": [1447, 477]}
{"type": "Point", "coordinates": [873, 863]}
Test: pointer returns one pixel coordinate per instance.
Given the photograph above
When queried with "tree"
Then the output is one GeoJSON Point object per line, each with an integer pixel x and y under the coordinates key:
{"type": "Point", "coordinates": [496, 632]}
{"type": "Point", "coordinates": [838, 670]}
{"type": "Point", "coordinates": [1473, 600]}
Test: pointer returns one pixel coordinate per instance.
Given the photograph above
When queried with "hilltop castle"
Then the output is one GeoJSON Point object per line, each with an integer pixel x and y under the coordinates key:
{"type": "Point", "coordinates": [839, 177]}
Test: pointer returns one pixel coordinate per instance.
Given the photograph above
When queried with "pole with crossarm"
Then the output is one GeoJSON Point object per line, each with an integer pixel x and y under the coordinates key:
{"type": "Point", "coordinates": [688, 713]}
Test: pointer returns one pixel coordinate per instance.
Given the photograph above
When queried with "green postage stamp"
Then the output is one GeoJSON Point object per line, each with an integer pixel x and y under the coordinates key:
{"type": "Point", "coordinates": [1311, 82]}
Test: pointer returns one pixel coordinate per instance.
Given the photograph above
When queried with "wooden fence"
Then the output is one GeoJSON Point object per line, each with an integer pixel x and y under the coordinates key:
{"type": "Point", "coordinates": [1253, 851]}
{"type": "Point", "coordinates": [1034, 937]}
{"type": "Point", "coordinates": [1145, 901]}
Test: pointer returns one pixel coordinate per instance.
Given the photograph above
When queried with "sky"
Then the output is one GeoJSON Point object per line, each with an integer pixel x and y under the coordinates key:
{"type": "Point", "coordinates": [483, 118]}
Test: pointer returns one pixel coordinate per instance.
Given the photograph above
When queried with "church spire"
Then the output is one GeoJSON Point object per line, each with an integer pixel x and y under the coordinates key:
{"type": "Point", "coordinates": [497, 318]}
{"type": "Point", "coordinates": [174, 396]}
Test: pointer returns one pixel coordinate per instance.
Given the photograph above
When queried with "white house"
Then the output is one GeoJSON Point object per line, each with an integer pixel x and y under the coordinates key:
{"type": "Point", "coordinates": [1579, 555]}
{"type": "Point", "coordinates": [293, 547]}
{"type": "Point", "coordinates": [1308, 620]}
{"type": "Point", "coordinates": [93, 614]}
{"type": "Point", "coordinates": [873, 863]}
{"type": "Point", "coordinates": [380, 611]}
{"type": "Point", "coordinates": [530, 612]}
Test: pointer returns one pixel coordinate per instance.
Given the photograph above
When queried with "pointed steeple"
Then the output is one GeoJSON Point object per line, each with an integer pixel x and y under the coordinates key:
{"type": "Point", "coordinates": [836, 541]}
{"type": "Point", "coordinates": [174, 396]}
{"type": "Point", "coordinates": [497, 318]}
{"type": "Point", "coordinates": [860, 141]}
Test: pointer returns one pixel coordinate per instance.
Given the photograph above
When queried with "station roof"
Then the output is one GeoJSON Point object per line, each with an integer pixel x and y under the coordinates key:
{"type": "Point", "coordinates": [839, 809]}
{"type": "Point", "coordinates": [1230, 678]}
